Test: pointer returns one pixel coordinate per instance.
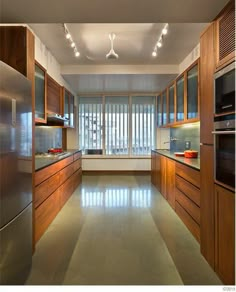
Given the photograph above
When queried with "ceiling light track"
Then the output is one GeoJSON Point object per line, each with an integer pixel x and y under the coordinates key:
{"type": "Point", "coordinates": [69, 38]}
{"type": "Point", "coordinates": [159, 43]}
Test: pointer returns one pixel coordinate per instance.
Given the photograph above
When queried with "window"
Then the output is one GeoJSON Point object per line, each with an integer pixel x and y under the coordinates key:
{"type": "Point", "coordinates": [117, 125]}
{"type": "Point", "coordinates": [143, 121]}
{"type": "Point", "coordinates": [90, 125]}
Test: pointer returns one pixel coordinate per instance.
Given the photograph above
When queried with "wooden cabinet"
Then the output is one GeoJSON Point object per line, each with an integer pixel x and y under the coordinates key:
{"type": "Point", "coordinates": [225, 234]}
{"type": "Point", "coordinates": [207, 203]}
{"type": "Point", "coordinates": [159, 111]}
{"type": "Point", "coordinates": [53, 187]}
{"type": "Point", "coordinates": [164, 108]}
{"type": "Point", "coordinates": [153, 167]}
{"type": "Point", "coordinates": [187, 196]}
{"type": "Point", "coordinates": [40, 94]}
{"type": "Point", "coordinates": [193, 92]}
{"type": "Point", "coordinates": [163, 176]}
{"type": "Point", "coordinates": [170, 182]}
{"type": "Point", "coordinates": [54, 96]}
{"type": "Point", "coordinates": [207, 68]}
{"type": "Point", "coordinates": [17, 49]}
{"type": "Point", "coordinates": [171, 104]}
{"type": "Point", "coordinates": [225, 36]}
{"type": "Point", "coordinates": [180, 99]}
{"type": "Point", "coordinates": [68, 108]}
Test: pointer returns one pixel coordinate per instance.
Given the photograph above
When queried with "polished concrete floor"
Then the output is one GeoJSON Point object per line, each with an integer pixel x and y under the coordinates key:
{"type": "Point", "coordinates": [118, 230]}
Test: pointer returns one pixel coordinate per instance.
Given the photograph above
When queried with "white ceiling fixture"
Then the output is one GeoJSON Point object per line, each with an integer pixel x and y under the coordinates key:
{"type": "Point", "coordinates": [72, 43]}
{"type": "Point", "coordinates": [160, 40]}
{"type": "Point", "coordinates": [112, 54]}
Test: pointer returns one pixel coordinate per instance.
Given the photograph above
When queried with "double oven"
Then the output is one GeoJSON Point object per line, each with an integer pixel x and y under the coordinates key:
{"type": "Point", "coordinates": [224, 127]}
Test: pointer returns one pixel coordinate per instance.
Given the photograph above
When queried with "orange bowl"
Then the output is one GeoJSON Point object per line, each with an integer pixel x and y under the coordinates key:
{"type": "Point", "coordinates": [190, 154]}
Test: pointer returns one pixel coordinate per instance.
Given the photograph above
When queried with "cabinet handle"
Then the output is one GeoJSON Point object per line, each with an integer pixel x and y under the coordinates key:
{"type": "Point", "coordinates": [223, 132]}
{"type": "Point", "coordinates": [226, 106]}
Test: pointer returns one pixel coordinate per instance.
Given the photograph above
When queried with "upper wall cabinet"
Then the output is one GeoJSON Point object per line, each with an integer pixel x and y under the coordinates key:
{"type": "Point", "coordinates": [192, 92]}
{"type": "Point", "coordinates": [180, 99]}
{"type": "Point", "coordinates": [171, 104]}
{"type": "Point", "coordinates": [225, 36]}
{"type": "Point", "coordinates": [159, 111]}
{"type": "Point", "coordinates": [40, 94]}
{"type": "Point", "coordinates": [17, 49]}
{"type": "Point", "coordinates": [68, 108]}
{"type": "Point", "coordinates": [164, 108]}
{"type": "Point", "coordinates": [54, 96]}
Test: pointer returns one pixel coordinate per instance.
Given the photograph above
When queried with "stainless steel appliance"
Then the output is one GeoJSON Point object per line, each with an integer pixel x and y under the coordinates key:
{"type": "Point", "coordinates": [15, 176]}
{"type": "Point", "coordinates": [224, 150]}
{"type": "Point", "coordinates": [224, 87]}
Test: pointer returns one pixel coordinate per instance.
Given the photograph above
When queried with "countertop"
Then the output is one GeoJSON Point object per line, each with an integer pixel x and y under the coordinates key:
{"type": "Point", "coordinates": [192, 162]}
{"type": "Point", "coordinates": [43, 162]}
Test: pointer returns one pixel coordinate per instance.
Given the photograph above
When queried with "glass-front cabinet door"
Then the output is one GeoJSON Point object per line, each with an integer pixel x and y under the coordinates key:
{"type": "Point", "coordinates": [40, 94]}
{"type": "Point", "coordinates": [72, 118]}
{"type": "Point", "coordinates": [180, 99]}
{"type": "Point", "coordinates": [159, 111]}
{"type": "Point", "coordinates": [192, 92]}
{"type": "Point", "coordinates": [164, 108]}
{"type": "Point", "coordinates": [171, 108]}
{"type": "Point", "coordinates": [67, 107]}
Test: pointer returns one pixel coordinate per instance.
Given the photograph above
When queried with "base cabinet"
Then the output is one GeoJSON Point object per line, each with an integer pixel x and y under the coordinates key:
{"type": "Point", "coordinates": [53, 187]}
{"type": "Point", "coordinates": [225, 234]}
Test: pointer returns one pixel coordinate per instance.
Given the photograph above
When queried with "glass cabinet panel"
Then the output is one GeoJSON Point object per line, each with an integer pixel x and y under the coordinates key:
{"type": "Point", "coordinates": [71, 111]}
{"type": "Point", "coordinates": [66, 107]}
{"type": "Point", "coordinates": [171, 111]}
{"type": "Point", "coordinates": [164, 108]}
{"type": "Point", "coordinates": [40, 111]}
{"type": "Point", "coordinates": [180, 99]}
{"type": "Point", "coordinates": [192, 93]}
{"type": "Point", "coordinates": [159, 111]}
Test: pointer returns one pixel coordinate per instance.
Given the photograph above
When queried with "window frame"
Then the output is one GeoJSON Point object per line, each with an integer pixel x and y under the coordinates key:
{"type": "Point", "coordinates": [129, 95]}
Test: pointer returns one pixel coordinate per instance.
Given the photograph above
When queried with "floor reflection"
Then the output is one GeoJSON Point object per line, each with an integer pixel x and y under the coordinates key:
{"type": "Point", "coordinates": [116, 198]}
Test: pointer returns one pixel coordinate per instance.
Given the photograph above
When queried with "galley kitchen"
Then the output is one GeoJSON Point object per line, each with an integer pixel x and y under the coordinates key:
{"type": "Point", "coordinates": [117, 135]}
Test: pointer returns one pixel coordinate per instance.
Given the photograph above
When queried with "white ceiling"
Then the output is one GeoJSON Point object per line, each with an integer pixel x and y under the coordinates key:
{"type": "Point", "coordinates": [134, 43]}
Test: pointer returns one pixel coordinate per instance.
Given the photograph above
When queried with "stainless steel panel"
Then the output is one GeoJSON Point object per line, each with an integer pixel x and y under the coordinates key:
{"type": "Point", "coordinates": [15, 143]}
{"type": "Point", "coordinates": [16, 249]}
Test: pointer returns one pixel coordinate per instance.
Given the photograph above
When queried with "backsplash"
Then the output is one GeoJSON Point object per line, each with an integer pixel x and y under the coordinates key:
{"type": "Point", "coordinates": [47, 137]}
{"type": "Point", "coordinates": [188, 132]}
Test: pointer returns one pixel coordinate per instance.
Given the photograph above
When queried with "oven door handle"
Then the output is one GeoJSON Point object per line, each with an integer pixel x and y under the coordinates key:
{"type": "Point", "coordinates": [223, 132]}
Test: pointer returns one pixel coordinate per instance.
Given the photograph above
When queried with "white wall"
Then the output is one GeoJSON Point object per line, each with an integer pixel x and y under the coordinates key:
{"type": "Point", "coordinates": [131, 164]}
{"type": "Point", "coordinates": [163, 135]}
{"type": "Point", "coordinates": [190, 58]}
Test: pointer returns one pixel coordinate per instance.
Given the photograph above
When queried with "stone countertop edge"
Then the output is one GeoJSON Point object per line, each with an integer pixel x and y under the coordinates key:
{"type": "Point", "coordinates": [191, 162]}
{"type": "Point", "coordinates": [41, 163]}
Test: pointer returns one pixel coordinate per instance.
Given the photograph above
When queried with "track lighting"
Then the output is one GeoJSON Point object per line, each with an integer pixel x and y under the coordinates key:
{"type": "Point", "coordinates": [69, 38]}
{"type": "Point", "coordinates": [160, 40]}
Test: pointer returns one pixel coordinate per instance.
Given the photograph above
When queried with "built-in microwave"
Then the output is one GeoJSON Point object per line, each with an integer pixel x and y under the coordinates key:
{"type": "Point", "coordinates": [224, 86]}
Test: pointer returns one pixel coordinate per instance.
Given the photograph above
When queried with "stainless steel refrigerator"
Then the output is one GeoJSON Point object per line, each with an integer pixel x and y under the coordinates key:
{"type": "Point", "coordinates": [15, 176]}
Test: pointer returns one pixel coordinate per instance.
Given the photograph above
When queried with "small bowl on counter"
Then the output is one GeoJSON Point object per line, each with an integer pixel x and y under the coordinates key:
{"type": "Point", "coordinates": [179, 154]}
{"type": "Point", "coordinates": [191, 154]}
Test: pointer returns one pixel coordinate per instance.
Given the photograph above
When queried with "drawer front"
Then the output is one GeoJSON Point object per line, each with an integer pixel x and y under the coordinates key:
{"type": "Point", "coordinates": [188, 205]}
{"type": "Point", "coordinates": [46, 188]}
{"type": "Point", "coordinates": [66, 172]}
{"type": "Point", "coordinates": [63, 163]}
{"type": "Point", "coordinates": [188, 221]}
{"type": "Point", "coordinates": [45, 173]}
{"type": "Point", "coordinates": [45, 214]}
{"type": "Point", "coordinates": [77, 155]}
{"type": "Point", "coordinates": [66, 190]}
{"type": "Point", "coordinates": [188, 189]}
{"type": "Point", "coordinates": [189, 174]}
{"type": "Point", "coordinates": [77, 178]}
{"type": "Point", "coordinates": [77, 164]}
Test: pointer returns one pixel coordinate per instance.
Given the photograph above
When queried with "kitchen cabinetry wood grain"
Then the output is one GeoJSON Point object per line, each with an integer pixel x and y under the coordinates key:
{"type": "Point", "coordinates": [189, 174]}
{"type": "Point", "coordinates": [225, 234]}
{"type": "Point", "coordinates": [225, 36]}
{"type": "Point", "coordinates": [188, 189]}
{"type": "Point", "coordinates": [54, 96]}
{"type": "Point", "coordinates": [53, 187]}
{"type": "Point", "coordinates": [163, 176]}
{"type": "Point", "coordinates": [170, 181]}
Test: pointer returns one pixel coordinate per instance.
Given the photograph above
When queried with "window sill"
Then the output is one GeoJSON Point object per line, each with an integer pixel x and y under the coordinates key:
{"type": "Point", "coordinates": [115, 157]}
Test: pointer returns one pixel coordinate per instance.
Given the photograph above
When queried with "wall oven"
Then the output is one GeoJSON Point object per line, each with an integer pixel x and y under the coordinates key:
{"type": "Point", "coordinates": [224, 150]}
{"type": "Point", "coordinates": [224, 87]}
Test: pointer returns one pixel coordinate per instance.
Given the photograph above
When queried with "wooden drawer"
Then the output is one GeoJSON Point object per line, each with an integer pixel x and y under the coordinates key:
{"type": "Point", "coordinates": [188, 173]}
{"type": "Point", "coordinates": [46, 188]}
{"type": "Point", "coordinates": [77, 164]}
{"type": "Point", "coordinates": [66, 190]}
{"type": "Point", "coordinates": [77, 155]}
{"type": "Point", "coordinates": [66, 172]}
{"type": "Point", "coordinates": [66, 161]}
{"type": "Point", "coordinates": [45, 213]}
{"type": "Point", "coordinates": [188, 189]}
{"type": "Point", "coordinates": [188, 221]}
{"type": "Point", "coordinates": [43, 174]}
{"type": "Point", "coordinates": [188, 205]}
{"type": "Point", "coordinates": [77, 178]}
